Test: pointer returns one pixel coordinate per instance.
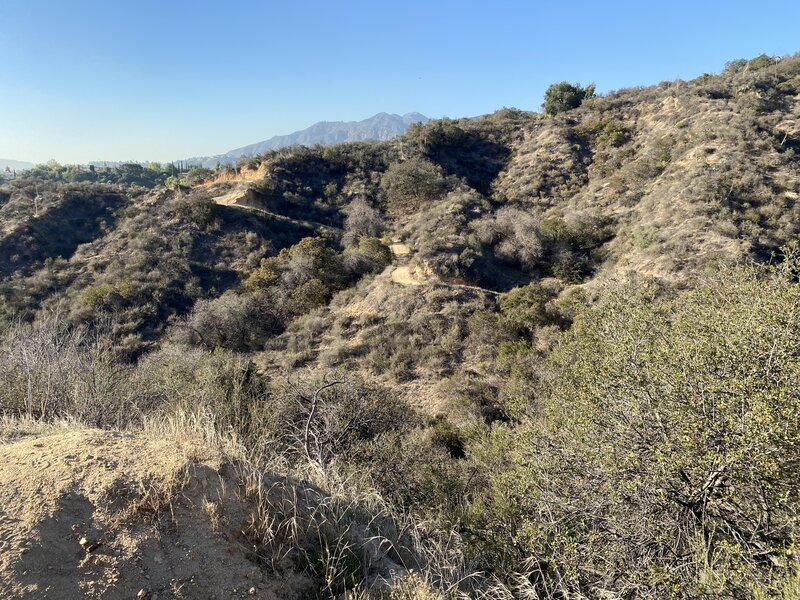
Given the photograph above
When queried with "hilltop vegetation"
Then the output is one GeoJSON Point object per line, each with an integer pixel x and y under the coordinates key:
{"type": "Point", "coordinates": [566, 342]}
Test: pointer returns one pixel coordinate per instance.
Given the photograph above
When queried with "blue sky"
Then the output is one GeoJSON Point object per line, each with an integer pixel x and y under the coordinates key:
{"type": "Point", "coordinates": [160, 80]}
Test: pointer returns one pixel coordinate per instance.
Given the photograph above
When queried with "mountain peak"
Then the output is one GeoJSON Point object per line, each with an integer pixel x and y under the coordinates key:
{"type": "Point", "coordinates": [381, 126]}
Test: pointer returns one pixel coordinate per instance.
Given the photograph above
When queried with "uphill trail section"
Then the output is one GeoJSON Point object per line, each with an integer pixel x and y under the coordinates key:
{"type": "Point", "coordinates": [405, 273]}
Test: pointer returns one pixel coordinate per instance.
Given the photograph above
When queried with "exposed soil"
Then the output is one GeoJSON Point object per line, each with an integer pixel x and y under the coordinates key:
{"type": "Point", "coordinates": [99, 514]}
{"type": "Point", "coordinates": [402, 272]}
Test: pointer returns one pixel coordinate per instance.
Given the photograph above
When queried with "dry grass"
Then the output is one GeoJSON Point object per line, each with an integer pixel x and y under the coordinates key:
{"type": "Point", "coordinates": [337, 528]}
{"type": "Point", "coordinates": [13, 428]}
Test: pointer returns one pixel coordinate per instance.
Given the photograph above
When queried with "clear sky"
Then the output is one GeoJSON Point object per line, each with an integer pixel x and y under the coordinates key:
{"type": "Point", "coordinates": [159, 80]}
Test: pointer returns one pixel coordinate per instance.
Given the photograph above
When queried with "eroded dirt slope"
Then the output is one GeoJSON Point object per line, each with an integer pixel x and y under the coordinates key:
{"type": "Point", "coordinates": [98, 514]}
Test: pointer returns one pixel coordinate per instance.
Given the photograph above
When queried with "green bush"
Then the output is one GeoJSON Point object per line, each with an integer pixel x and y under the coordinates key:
{"type": "Point", "coordinates": [309, 295]}
{"type": "Point", "coordinates": [524, 308]}
{"type": "Point", "coordinates": [445, 132]}
{"type": "Point", "coordinates": [310, 258]}
{"type": "Point", "coordinates": [376, 250]}
{"type": "Point", "coordinates": [197, 175]}
{"type": "Point", "coordinates": [564, 96]}
{"type": "Point", "coordinates": [410, 185]}
{"type": "Point", "coordinates": [414, 472]}
{"type": "Point", "coordinates": [569, 266]}
{"type": "Point", "coordinates": [100, 298]}
{"type": "Point", "coordinates": [762, 61]}
{"type": "Point", "coordinates": [198, 209]}
{"type": "Point", "coordinates": [665, 457]}
{"type": "Point", "coordinates": [447, 435]}
{"type": "Point", "coordinates": [606, 132]}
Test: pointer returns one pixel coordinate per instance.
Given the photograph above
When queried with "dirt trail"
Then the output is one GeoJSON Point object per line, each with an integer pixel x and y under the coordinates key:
{"type": "Point", "coordinates": [244, 198]}
{"type": "Point", "coordinates": [402, 272]}
{"type": "Point", "coordinates": [78, 520]}
{"type": "Point", "coordinates": [400, 251]}
{"type": "Point", "coordinates": [237, 197]}
{"type": "Point", "coordinates": [405, 274]}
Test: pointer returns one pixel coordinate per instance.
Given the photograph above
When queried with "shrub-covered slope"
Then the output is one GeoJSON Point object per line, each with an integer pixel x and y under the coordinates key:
{"type": "Point", "coordinates": [567, 341]}
{"type": "Point", "coordinates": [663, 180]}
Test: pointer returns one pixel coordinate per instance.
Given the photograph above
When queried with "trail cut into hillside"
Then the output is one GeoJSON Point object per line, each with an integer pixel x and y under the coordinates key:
{"type": "Point", "coordinates": [239, 197]}
{"type": "Point", "coordinates": [243, 174]}
{"type": "Point", "coordinates": [402, 272]}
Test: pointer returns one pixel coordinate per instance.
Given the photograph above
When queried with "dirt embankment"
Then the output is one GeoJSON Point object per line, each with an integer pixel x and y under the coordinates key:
{"type": "Point", "coordinates": [98, 514]}
{"type": "Point", "coordinates": [244, 175]}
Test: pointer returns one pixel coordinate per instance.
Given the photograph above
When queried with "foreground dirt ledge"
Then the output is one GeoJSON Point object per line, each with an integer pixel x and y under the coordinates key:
{"type": "Point", "coordinates": [88, 513]}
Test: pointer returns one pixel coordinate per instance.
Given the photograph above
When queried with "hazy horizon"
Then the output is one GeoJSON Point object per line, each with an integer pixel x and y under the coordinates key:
{"type": "Point", "coordinates": [100, 81]}
{"type": "Point", "coordinates": [4, 159]}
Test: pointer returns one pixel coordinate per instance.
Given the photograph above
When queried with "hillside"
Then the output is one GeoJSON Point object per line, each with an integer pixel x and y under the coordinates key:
{"type": "Point", "coordinates": [382, 126]}
{"type": "Point", "coordinates": [14, 165]}
{"type": "Point", "coordinates": [556, 351]}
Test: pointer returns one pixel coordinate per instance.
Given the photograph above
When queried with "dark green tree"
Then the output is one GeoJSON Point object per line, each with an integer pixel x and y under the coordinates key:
{"type": "Point", "coordinates": [564, 96]}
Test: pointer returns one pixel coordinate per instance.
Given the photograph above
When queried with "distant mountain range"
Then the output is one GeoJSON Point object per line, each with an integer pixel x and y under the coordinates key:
{"type": "Point", "coordinates": [14, 165]}
{"type": "Point", "coordinates": [383, 126]}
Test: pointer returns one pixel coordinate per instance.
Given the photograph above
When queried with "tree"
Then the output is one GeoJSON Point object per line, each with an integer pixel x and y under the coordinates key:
{"type": "Point", "coordinates": [564, 96]}
{"type": "Point", "coordinates": [735, 66]}
{"type": "Point", "coordinates": [131, 173]}
{"type": "Point", "coordinates": [197, 174]}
